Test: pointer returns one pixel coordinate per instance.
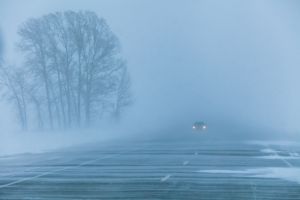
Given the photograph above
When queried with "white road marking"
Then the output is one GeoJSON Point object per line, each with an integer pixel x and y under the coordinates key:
{"type": "Point", "coordinates": [275, 153]}
{"type": "Point", "coordinates": [165, 178]}
{"type": "Point", "coordinates": [186, 162]}
{"type": "Point", "coordinates": [286, 162]}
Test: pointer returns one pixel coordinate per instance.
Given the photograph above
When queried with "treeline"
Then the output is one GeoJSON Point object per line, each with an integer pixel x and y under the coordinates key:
{"type": "Point", "coordinates": [72, 72]}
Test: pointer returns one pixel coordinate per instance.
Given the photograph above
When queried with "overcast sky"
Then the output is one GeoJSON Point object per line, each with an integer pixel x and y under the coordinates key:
{"type": "Point", "coordinates": [213, 60]}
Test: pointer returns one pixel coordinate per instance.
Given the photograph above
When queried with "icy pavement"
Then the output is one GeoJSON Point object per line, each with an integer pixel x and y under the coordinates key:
{"type": "Point", "coordinates": [155, 170]}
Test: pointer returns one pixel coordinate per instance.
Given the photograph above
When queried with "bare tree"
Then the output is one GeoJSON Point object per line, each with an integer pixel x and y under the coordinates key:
{"type": "Point", "coordinates": [36, 99]}
{"type": "Point", "coordinates": [15, 83]}
{"type": "Point", "coordinates": [75, 68]}
{"type": "Point", "coordinates": [123, 93]}
{"type": "Point", "coordinates": [34, 44]}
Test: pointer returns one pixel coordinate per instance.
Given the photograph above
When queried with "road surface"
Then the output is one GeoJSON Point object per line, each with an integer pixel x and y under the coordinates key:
{"type": "Point", "coordinates": [158, 169]}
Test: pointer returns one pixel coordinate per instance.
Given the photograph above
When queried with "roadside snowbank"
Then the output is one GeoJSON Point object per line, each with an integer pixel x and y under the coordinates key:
{"type": "Point", "coordinates": [284, 173]}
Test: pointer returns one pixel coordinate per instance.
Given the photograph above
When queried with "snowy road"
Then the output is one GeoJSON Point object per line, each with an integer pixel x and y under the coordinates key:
{"type": "Point", "coordinates": [155, 170]}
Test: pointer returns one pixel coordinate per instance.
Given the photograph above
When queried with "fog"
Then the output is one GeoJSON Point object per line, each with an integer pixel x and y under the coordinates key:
{"type": "Point", "coordinates": [232, 64]}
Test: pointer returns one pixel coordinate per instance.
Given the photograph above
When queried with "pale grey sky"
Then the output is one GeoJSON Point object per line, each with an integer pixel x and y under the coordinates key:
{"type": "Point", "coordinates": [233, 60]}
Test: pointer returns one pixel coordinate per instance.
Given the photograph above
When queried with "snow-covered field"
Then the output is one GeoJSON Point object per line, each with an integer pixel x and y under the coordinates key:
{"type": "Point", "coordinates": [39, 142]}
{"type": "Point", "coordinates": [169, 169]}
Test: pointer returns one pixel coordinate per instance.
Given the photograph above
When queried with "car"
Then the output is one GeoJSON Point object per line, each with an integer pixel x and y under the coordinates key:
{"type": "Point", "coordinates": [199, 126]}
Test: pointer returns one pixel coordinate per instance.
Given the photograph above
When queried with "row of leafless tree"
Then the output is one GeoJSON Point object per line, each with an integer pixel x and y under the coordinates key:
{"type": "Point", "coordinates": [72, 72]}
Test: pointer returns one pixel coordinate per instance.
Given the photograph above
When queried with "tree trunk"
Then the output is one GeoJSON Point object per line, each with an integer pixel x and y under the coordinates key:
{"type": "Point", "coordinates": [79, 88]}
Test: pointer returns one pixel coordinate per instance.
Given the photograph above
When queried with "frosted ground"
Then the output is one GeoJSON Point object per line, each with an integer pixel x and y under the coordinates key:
{"type": "Point", "coordinates": [191, 168]}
